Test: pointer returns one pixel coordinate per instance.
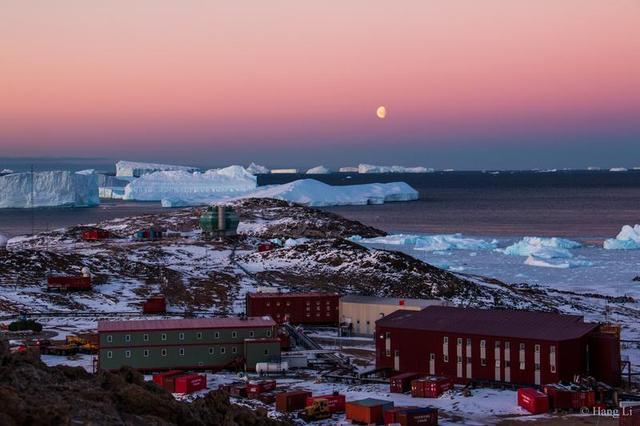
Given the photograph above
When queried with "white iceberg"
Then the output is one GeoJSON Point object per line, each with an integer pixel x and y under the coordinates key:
{"type": "Point", "coordinates": [182, 185]}
{"type": "Point", "coordinates": [368, 168]}
{"type": "Point", "coordinates": [618, 169]}
{"type": "Point", "coordinates": [430, 242]}
{"type": "Point", "coordinates": [544, 248]}
{"type": "Point", "coordinates": [564, 264]}
{"type": "Point", "coordinates": [256, 169]}
{"type": "Point", "coordinates": [318, 170]}
{"type": "Point", "coordinates": [112, 186]}
{"type": "Point", "coordinates": [136, 169]}
{"type": "Point", "coordinates": [311, 192]}
{"type": "Point", "coordinates": [627, 239]}
{"type": "Point", "coordinates": [49, 189]}
{"type": "Point", "coordinates": [285, 171]}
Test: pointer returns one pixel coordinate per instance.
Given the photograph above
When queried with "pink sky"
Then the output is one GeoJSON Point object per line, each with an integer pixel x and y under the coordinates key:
{"type": "Point", "coordinates": [112, 77]}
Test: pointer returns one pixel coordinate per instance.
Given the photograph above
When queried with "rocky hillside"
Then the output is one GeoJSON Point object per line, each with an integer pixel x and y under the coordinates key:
{"type": "Point", "coordinates": [33, 394]}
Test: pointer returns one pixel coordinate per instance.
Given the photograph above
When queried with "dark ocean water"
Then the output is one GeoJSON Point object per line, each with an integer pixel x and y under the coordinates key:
{"type": "Point", "coordinates": [565, 203]}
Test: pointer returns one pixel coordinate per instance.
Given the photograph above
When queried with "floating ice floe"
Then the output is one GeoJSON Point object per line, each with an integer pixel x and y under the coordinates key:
{"type": "Point", "coordinates": [49, 189]}
{"type": "Point", "coordinates": [256, 169]}
{"type": "Point", "coordinates": [544, 248]}
{"type": "Point", "coordinates": [183, 185]}
{"type": "Point", "coordinates": [430, 242]}
{"type": "Point", "coordinates": [368, 168]}
{"type": "Point", "coordinates": [627, 239]}
{"type": "Point", "coordinates": [618, 169]}
{"type": "Point", "coordinates": [318, 170]}
{"type": "Point", "coordinates": [564, 264]}
{"type": "Point", "coordinates": [137, 169]}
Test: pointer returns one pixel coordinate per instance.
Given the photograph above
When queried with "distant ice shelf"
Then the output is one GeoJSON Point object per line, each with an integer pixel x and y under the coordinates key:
{"type": "Point", "coordinates": [49, 189]}
{"type": "Point", "coordinates": [430, 242]}
{"type": "Point", "coordinates": [311, 192]}
{"type": "Point", "coordinates": [627, 239]}
{"type": "Point", "coordinates": [137, 169]}
{"type": "Point", "coordinates": [369, 168]}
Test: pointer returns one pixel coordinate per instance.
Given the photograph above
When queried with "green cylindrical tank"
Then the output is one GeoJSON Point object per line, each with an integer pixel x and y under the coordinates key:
{"type": "Point", "coordinates": [219, 220]}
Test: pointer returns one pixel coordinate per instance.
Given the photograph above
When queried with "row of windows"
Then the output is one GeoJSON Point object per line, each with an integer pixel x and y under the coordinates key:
{"type": "Point", "coordinates": [199, 335]}
{"type": "Point", "coordinates": [328, 303]}
{"type": "Point", "coordinates": [181, 351]}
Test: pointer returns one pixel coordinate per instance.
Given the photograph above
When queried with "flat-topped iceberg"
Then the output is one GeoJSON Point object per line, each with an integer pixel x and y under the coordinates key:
{"type": "Point", "coordinates": [544, 248]}
{"type": "Point", "coordinates": [368, 168]}
{"type": "Point", "coordinates": [311, 192]}
{"type": "Point", "coordinates": [430, 242]}
{"type": "Point", "coordinates": [256, 169]}
{"type": "Point", "coordinates": [49, 189]}
{"type": "Point", "coordinates": [137, 169]}
{"type": "Point", "coordinates": [182, 185]}
{"type": "Point", "coordinates": [627, 239]}
{"type": "Point", "coordinates": [318, 170]}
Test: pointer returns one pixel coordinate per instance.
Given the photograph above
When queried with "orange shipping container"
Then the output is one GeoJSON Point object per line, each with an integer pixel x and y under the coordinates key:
{"type": "Point", "coordinates": [368, 411]}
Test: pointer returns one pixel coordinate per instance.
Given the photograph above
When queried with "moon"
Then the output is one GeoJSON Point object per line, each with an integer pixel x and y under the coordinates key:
{"type": "Point", "coordinates": [381, 112]}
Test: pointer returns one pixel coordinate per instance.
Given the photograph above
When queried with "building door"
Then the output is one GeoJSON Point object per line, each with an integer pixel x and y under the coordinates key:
{"type": "Point", "coordinates": [396, 361]}
{"type": "Point", "coordinates": [432, 364]}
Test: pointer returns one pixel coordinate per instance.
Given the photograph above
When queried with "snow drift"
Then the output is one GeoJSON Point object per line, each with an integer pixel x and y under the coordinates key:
{"type": "Point", "coordinates": [318, 170]}
{"type": "Point", "coordinates": [135, 169]}
{"type": "Point", "coordinates": [430, 242]}
{"type": "Point", "coordinates": [368, 168]}
{"type": "Point", "coordinates": [50, 189]}
{"type": "Point", "coordinates": [627, 239]}
{"type": "Point", "coordinates": [183, 185]}
{"type": "Point", "coordinates": [544, 248]}
{"type": "Point", "coordinates": [256, 169]}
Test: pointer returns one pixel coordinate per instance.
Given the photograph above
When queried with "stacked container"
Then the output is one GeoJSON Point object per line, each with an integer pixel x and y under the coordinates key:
{"type": "Point", "coordinates": [401, 383]}
{"type": "Point", "coordinates": [430, 387]}
{"type": "Point", "coordinates": [256, 388]}
{"type": "Point", "coordinates": [190, 383]}
{"type": "Point", "coordinates": [291, 401]}
{"type": "Point", "coordinates": [336, 402]}
{"type": "Point", "coordinates": [161, 378]}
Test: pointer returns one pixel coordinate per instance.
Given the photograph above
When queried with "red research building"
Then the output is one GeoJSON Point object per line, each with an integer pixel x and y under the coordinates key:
{"type": "Point", "coordinates": [521, 347]}
{"type": "Point", "coordinates": [296, 308]}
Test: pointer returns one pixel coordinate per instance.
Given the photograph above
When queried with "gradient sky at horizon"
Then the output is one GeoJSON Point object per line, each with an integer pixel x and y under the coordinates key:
{"type": "Point", "coordinates": [467, 83]}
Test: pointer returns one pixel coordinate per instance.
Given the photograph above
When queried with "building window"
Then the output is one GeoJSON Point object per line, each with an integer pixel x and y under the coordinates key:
{"type": "Point", "coordinates": [216, 335]}
{"type": "Point", "coordinates": [553, 368]}
{"type": "Point", "coordinates": [497, 363]}
{"type": "Point", "coordinates": [483, 343]}
{"type": "Point", "coordinates": [459, 341]}
{"type": "Point", "coordinates": [266, 351]}
{"type": "Point", "coordinates": [521, 365]}
{"type": "Point", "coordinates": [445, 340]}
{"type": "Point", "coordinates": [387, 352]}
{"type": "Point", "coordinates": [109, 354]}
{"type": "Point", "coordinates": [145, 337]}
{"type": "Point", "coordinates": [212, 351]}
{"type": "Point", "coordinates": [459, 360]}
{"type": "Point", "coordinates": [483, 362]}
{"type": "Point", "coordinates": [445, 358]}
{"type": "Point", "coordinates": [537, 367]}
{"type": "Point", "coordinates": [432, 357]}
{"type": "Point", "coordinates": [507, 346]}
{"type": "Point", "coordinates": [164, 336]}
{"type": "Point", "coordinates": [234, 334]}
{"type": "Point", "coordinates": [537, 348]}
{"type": "Point", "coordinates": [507, 364]}
{"type": "Point", "coordinates": [552, 349]}
{"type": "Point", "coordinates": [127, 337]}
{"type": "Point", "coordinates": [163, 352]}
{"type": "Point", "coordinates": [522, 346]}
{"type": "Point", "coordinates": [199, 335]}
{"type": "Point", "coordinates": [468, 341]}
{"type": "Point", "coordinates": [387, 335]}
{"type": "Point", "coordinates": [181, 351]}
{"type": "Point", "coordinates": [497, 344]}
{"type": "Point", "coordinates": [223, 351]}
{"type": "Point", "coordinates": [127, 354]}
{"type": "Point", "coordinates": [234, 350]}
{"type": "Point", "coordinates": [146, 353]}
{"type": "Point", "coordinates": [252, 333]}
{"type": "Point", "coordinates": [110, 338]}
{"type": "Point", "coordinates": [268, 333]}
{"type": "Point", "coordinates": [181, 336]}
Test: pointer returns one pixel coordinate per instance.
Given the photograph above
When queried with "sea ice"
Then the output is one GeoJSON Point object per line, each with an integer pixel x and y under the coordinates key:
{"type": "Point", "coordinates": [564, 264]}
{"type": "Point", "coordinates": [368, 168]}
{"type": "Point", "coordinates": [136, 169]}
{"type": "Point", "coordinates": [430, 242]}
{"type": "Point", "coordinates": [544, 248]}
{"type": "Point", "coordinates": [182, 185]}
{"type": "Point", "coordinates": [618, 169]}
{"type": "Point", "coordinates": [318, 170]}
{"type": "Point", "coordinates": [627, 239]}
{"type": "Point", "coordinates": [256, 169]}
{"type": "Point", "coordinates": [49, 189]}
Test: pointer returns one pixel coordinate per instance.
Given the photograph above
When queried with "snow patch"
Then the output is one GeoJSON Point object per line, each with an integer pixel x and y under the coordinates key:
{"type": "Point", "coordinates": [627, 239]}
{"type": "Point", "coordinates": [49, 189]}
{"type": "Point", "coordinates": [136, 169]}
{"type": "Point", "coordinates": [430, 242]}
{"type": "Point", "coordinates": [544, 248]}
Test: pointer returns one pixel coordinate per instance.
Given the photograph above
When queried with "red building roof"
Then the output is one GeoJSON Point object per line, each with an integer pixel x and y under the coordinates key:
{"type": "Point", "coordinates": [490, 322]}
{"type": "Point", "coordinates": [184, 324]}
{"type": "Point", "coordinates": [303, 295]}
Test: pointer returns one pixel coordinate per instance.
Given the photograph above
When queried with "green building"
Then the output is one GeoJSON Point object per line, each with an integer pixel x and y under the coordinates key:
{"type": "Point", "coordinates": [201, 343]}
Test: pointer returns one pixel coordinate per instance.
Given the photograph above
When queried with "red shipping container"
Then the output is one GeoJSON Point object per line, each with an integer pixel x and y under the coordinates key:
{"type": "Point", "coordinates": [291, 401]}
{"type": "Point", "coordinates": [583, 398]}
{"type": "Point", "coordinates": [336, 402]}
{"type": "Point", "coordinates": [95, 235]}
{"type": "Point", "coordinates": [533, 400]}
{"type": "Point", "coordinates": [430, 387]}
{"type": "Point", "coordinates": [155, 305]}
{"type": "Point", "coordinates": [368, 410]}
{"type": "Point", "coordinates": [630, 415]}
{"type": "Point", "coordinates": [239, 390]}
{"type": "Point", "coordinates": [159, 378]}
{"type": "Point", "coordinates": [401, 383]}
{"type": "Point", "coordinates": [190, 383]}
{"type": "Point", "coordinates": [256, 388]}
{"type": "Point", "coordinates": [265, 247]}
{"type": "Point", "coordinates": [391, 415]}
{"type": "Point", "coordinates": [560, 397]}
{"type": "Point", "coordinates": [68, 283]}
{"type": "Point", "coordinates": [418, 416]}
